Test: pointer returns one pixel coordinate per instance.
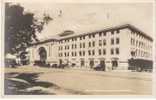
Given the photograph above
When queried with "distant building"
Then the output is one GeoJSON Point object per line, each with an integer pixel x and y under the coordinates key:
{"type": "Point", "coordinates": [111, 46]}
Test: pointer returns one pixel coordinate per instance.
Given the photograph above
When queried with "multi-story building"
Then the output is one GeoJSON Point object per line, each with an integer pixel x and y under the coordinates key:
{"type": "Point", "coordinates": [112, 46]}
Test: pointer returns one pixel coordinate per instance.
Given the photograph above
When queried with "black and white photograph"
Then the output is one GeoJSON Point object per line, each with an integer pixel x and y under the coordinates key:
{"type": "Point", "coordinates": [77, 48]}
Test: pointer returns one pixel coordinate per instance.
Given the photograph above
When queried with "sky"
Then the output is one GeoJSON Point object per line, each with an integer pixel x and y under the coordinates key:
{"type": "Point", "coordinates": [86, 17]}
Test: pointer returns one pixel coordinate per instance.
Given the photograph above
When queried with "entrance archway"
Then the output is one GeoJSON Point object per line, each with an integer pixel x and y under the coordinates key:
{"type": "Point", "coordinates": [43, 54]}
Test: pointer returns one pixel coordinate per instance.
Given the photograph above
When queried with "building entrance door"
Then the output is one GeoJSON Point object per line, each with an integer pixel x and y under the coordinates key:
{"type": "Point", "coordinates": [102, 64]}
{"type": "Point", "coordinates": [82, 63]}
{"type": "Point", "coordinates": [114, 64]}
{"type": "Point", "coordinates": [91, 63]}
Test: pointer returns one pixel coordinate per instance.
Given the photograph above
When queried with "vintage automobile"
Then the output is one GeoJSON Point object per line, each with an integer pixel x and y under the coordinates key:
{"type": "Point", "coordinates": [99, 67]}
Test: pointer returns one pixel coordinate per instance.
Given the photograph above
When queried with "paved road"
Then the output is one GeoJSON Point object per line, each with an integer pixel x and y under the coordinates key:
{"type": "Point", "coordinates": [93, 82]}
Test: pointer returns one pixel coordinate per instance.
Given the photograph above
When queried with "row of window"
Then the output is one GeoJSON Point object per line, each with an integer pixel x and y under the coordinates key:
{"type": "Point", "coordinates": [102, 52]}
{"type": "Point", "coordinates": [114, 51]}
{"type": "Point", "coordinates": [140, 44]}
{"type": "Point", "coordinates": [89, 36]}
{"type": "Point", "coordinates": [141, 53]}
{"type": "Point", "coordinates": [90, 52]}
{"type": "Point", "coordinates": [137, 34]}
{"type": "Point", "coordinates": [90, 44]}
{"type": "Point", "coordinates": [113, 41]}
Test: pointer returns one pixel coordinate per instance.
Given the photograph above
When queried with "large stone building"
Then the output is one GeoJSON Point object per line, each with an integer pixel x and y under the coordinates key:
{"type": "Point", "coordinates": [112, 46]}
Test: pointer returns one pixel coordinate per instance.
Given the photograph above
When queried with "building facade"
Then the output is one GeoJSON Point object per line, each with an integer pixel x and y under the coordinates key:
{"type": "Point", "coordinates": [112, 47]}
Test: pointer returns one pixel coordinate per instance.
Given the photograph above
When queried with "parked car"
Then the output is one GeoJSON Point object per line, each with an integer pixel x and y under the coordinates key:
{"type": "Point", "coordinates": [62, 66]}
{"type": "Point", "coordinates": [99, 67]}
{"type": "Point", "coordinates": [54, 66]}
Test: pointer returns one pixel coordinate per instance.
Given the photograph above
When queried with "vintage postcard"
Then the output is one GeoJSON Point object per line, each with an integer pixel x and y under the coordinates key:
{"type": "Point", "coordinates": [85, 48]}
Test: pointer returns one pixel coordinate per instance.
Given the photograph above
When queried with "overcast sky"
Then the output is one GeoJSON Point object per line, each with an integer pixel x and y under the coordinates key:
{"type": "Point", "coordinates": [83, 18]}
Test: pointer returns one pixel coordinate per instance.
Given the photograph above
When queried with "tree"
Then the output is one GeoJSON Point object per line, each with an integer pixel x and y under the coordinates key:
{"type": "Point", "coordinates": [21, 28]}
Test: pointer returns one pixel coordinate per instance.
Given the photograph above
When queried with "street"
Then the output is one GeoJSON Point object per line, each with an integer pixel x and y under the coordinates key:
{"type": "Point", "coordinates": [81, 82]}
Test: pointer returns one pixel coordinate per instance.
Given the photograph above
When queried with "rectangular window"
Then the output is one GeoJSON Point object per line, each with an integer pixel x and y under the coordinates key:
{"type": "Point", "coordinates": [112, 51]}
{"type": "Point", "coordinates": [100, 34]}
{"type": "Point", "coordinates": [80, 38]}
{"type": "Point", "coordinates": [83, 53]}
{"type": "Point", "coordinates": [117, 50]}
{"type": "Point", "coordinates": [75, 46]}
{"type": "Point", "coordinates": [117, 40]}
{"type": "Point", "coordinates": [89, 52]}
{"type": "Point", "coordinates": [93, 35]}
{"type": "Point", "coordinates": [112, 32]}
{"type": "Point", "coordinates": [93, 52]}
{"type": "Point", "coordinates": [99, 51]}
{"type": "Point", "coordinates": [72, 54]}
{"type": "Point", "coordinates": [104, 34]}
{"type": "Point", "coordinates": [80, 53]}
{"type": "Point", "coordinates": [112, 41]}
{"type": "Point", "coordinates": [104, 51]}
{"type": "Point", "coordinates": [93, 43]}
{"type": "Point", "coordinates": [72, 46]}
{"type": "Point", "coordinates": [104, 42]}
{"type": "Point", "coordinates": [83, 37]}
{"type": "Point", "coordinates": [83, 45]}
{"type": "Point", "coordinates": [136, 42]}
{"type": "Point", "coordinates": [89, 44]}
{"type": "Point", "coordinates": [80, 45]}
{"type": "Point", "coordinates": [75, 54]}
{"type": "Point", "coordinates": [100, 42]}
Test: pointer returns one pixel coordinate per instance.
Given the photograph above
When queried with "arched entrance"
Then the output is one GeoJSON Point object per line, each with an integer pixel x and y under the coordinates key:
{"type": "Point", "coordinates": [43, 54]}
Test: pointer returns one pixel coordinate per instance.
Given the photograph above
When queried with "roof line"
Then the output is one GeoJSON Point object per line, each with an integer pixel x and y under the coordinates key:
{"type": "Point", "coordinates": [132, 27]}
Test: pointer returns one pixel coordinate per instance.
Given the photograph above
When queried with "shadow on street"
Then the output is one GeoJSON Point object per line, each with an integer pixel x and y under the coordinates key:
{"type": "Point", "coordinates": [26, 84]}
